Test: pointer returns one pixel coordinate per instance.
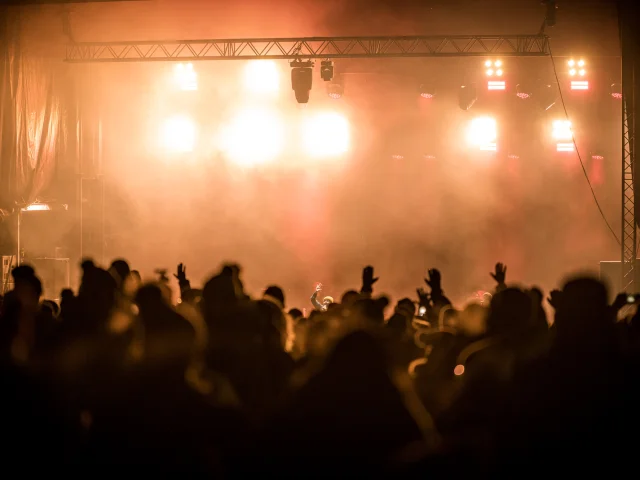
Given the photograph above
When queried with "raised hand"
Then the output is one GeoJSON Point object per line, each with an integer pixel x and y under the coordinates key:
{"type": "Point", "coordinates": [318, 287]}
{"type": "Point", "coordinates": [433, 280]}
{"type": "Point", "coordinates": [368, 280]}
{"type": "Point", "coordinates": [181, 273]}
{"type": "Point", "coordinates": [423, 297]}
{"type": "Point", "coordinates": [500, 274]}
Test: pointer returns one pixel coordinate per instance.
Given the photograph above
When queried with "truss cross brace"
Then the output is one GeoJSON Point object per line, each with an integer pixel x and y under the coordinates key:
{"type": "Point", "coordinates": [310, 48]}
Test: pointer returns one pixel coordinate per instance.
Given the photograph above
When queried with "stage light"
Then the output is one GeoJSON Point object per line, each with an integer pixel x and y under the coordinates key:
{"type": "Point", "coordinates": [524, 91]}
{"type": "Point", "coordinates": [397, 156]}
{"type": "Point", "coordinates": [326, 70]}
{"type": "Point", "coordinates": [427, 156]}
{"type": "Point", "coordinates": [482, 133]}
{"type": "Point", "coordinates": [186, 77]}
{"type": "Point", "coordinates": [616, 91]}
{"type": "Point", "coordinates": [563, 134]}
{"type": "Point", "coordinates": [572, 72]}
{"type": "Point", "coordinates": [582, 72]}
{"type": "Point", "coordinates": [493, 68]}
{"type": "Point", "coordinates": [325, 135]}
{"type": "Point", "coordinates": [178, 134]}
{"type": "Point", "coordinates": [571, 63]}
{"type": "Point", "coordinates": [597, 157]}
{"type": "Point", "coordinates": [301, 80]}
{"type": "Point", "coordinates": [581, 63]}
{"type": "Point", "coordinates": [550, 13]}
{"type": "Point", "coordinates": [467, 96]}
{"type": "Point", "coordinates": [254, 136]}
{"type": "Point", "coordinates": [262, 76]}
{"type": "Point", "coordinates": [562, 130]}
{"type": "Point", "coordinates": [496, 85]}
{"type": "Point", "coordinates": [427, 90]}
{"type": "Point", "coordinates": [579, 85]}
{"type": "Point", "coordinates": [36, 207]}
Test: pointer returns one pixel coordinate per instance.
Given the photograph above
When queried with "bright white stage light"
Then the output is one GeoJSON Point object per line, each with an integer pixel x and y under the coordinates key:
{"type": "Point", "coordinates": [262, 76]}
{"type": "Point", "coordinates": [254, 136]}
{"type": "Point", "coordinates": [326, 135]}
{"type": "Point", "coordinates": [562, 130]}
{"type": "Point", "coordinates": [186, 76]}
{"type": "Point", "coordinates": [482, 133]}
{"type": "Point", "coordinates": [178, 134]}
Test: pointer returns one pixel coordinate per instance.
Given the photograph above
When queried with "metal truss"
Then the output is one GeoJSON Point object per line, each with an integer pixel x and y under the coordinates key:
{"type": "Point", "coordinates": [310, 48]}
{"type": "Point", "coordinates": [629, 230]}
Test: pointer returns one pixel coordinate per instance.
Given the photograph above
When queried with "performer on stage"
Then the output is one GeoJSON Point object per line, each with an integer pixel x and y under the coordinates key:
{"type": "Point", "coordinates": [326, 301]}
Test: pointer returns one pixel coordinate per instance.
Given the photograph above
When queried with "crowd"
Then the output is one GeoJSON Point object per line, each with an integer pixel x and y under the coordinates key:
{"type": "Point", "coordinates": [116, 379]}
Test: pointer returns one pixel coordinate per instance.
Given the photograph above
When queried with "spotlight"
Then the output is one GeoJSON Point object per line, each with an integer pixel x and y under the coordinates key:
{"type": "Point", "coordinates": [186, 76]}
{"type": "Point", "coordinates": [563, 134]}
{"type": "Point", "coordinates": [262, 76]}
{"type": "Point", "coordinates": [427, 90]}
{"type": "Point", "coordinates": [397, 156]}
{"type": "Point", "coordinates": [178, 134]}
{"type": "Point", "coordinates": [524, 91]}
{"type": "Point", "coordinates": [616, 91]}
{"type": "Point", "coordinates": [493, 67]}
{"type": "Point", "coordinates": [326, 70]}
{"type": "Point", "coordinates": [482, 133]}
{"type": "Point", "coordinates": [571, 63]}
{"type": "Point", "coordinates": [301, 80]}
{"type": "Point", "coordinates": [550, 15]}
{"type": "Point", "coordinates": [467, 96]}
{"type": "Point", "coordinates": [326, 135]}
{"type": "Point", "coordinates": [562, 130]}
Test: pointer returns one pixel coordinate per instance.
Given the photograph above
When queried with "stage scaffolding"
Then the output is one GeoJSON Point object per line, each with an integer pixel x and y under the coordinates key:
{"type": "Point", "coordinates": [398, 47]}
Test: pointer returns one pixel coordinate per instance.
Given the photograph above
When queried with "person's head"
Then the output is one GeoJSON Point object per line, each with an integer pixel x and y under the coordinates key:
{"type": "Point", "coordinates": [27, 285]}
{"type": "Point", "coordinates": [275, 295]}
{"type": "Point", "coordinates": [326, 301]}
{"type": "Point", "coordinates": [583, 310]}
{"type": "Point", "coordinates": [120, 270]}
{"type": "Point", "coordinates": [296, 314]}
{"type": "Point", "coordinates": [510, 311]}
{"type": "Point", "coordinates": [349, 298]}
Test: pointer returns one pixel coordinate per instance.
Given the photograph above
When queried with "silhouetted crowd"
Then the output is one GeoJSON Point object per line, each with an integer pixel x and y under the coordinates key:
{"type": "Point", "coordinates": [116, 379]}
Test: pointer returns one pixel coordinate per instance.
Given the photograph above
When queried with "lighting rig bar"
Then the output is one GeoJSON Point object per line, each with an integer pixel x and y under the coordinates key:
{"type": "Point", "coordinates": [310, 48]}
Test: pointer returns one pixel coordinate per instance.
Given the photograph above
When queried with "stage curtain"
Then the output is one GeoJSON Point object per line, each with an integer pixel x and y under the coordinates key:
{"type": "Point", "coordinates": [30, 115]}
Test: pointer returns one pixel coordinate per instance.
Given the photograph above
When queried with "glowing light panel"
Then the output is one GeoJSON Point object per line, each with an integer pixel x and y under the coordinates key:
{"type": "Point", "coordinates": [326, 135]}
{"type": "Point", "coordinates": [482, 133]}
{"type": "Point", "coordinates": [186, 76]}
{"type": "Point", "coordinates": [178, 134]}
{"type": "Point", "coordinates": [254, 136]}
{"type": "Point", "coordinates": [262, 76]}
{"type": "Point", "coordinates": [562, 130]}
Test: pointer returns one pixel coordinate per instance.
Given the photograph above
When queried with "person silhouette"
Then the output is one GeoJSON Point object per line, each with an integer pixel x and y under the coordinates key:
{"type": "Point", "coordinates": [326, 301]}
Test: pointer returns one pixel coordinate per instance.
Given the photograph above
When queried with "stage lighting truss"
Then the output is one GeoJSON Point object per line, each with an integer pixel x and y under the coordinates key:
{"type": "Point", "coordinates": [494, 71]}
{"type": "Point", "coordinates": [577, 72]}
